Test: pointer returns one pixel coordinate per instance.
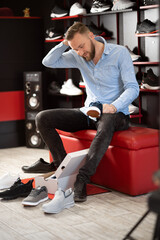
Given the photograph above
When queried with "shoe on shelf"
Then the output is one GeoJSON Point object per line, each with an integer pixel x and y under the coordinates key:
{"type": "Point", "coordinates": [150, 81]}
{"type": "Point", "coordinates": [122, 4]}
{"type": "Point", "coordinates": [150, 2]}
{"type": "Point", "coordinates": [70, 89]}
{"type": "Point", "coordinates": [36, 196]}
{"type": "Point", "coordinates": [133, 109]}
{"type": "Point", "coordinates": [80, 191]}
{"type": "Point", "coordinates": [51, 34]}
{"type": "Point", "coordinates": [99, 31]}
{"type": "Point", "coordinates": [40, 166]}
{"type": "Point", "coordinates": [18, 189]}
{"type": "Point", "coordinates": [77, 9]}
{"type": "Point", "coordinates": [100, 6]}
{"type": "Point", "coordinates": [60, 201]}
{"type": "Point", "coordinates": [7, 180]}
{"type": "Point", "coordinates": [134, 57]}
{"type": "Point", "coordinates": [53, 88]}
{"type": "Point", "coordinates": [58, 12]}
{"type": "Point", "coordinates": [146, 27]}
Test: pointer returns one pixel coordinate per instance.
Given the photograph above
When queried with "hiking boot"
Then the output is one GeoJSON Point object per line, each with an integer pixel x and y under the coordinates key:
{"type": "Point", "coordinates": [36, 196]}
{"type": "Point", "coordinates": [18, 189]}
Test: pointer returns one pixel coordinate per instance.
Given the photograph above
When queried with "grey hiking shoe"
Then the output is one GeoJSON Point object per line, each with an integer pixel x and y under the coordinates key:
{"type": "Point", "coordinates": [36, 196]}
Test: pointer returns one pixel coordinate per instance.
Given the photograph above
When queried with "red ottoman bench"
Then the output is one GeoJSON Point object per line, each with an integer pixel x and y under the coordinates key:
{"type": "Point", "coordinates": [129, 162]}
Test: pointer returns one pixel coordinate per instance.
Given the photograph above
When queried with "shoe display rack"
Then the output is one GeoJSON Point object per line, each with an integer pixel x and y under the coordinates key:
{"type": "Point", "coordinates": [118, 15]}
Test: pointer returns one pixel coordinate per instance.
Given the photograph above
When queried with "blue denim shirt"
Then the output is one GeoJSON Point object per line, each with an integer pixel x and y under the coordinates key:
{"type": "Point", "coordinates": [112, 80]}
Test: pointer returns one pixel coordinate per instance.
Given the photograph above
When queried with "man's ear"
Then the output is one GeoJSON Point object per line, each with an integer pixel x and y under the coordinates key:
{"type": "Point", "coordinates": [91, 35]}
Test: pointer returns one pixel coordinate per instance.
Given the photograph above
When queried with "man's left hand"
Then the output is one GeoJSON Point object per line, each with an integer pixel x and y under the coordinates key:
{"type": "Point", "coordinates": [109, 108]}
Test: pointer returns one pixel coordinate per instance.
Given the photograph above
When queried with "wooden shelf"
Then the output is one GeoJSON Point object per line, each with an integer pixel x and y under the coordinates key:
{"type": "Point", "coordinates": [94, 14]}
{"type": "Point", "coordinates": [145, 63]}
{"type": "Point", "coordinates": [149, 6]}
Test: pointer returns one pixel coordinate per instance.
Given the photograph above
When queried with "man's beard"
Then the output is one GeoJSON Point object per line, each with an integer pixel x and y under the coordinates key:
{"type": "Point", "coordinates": [91, 53]}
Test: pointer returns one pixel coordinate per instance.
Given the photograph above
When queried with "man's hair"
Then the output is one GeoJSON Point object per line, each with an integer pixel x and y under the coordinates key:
{"type": "Point", "coordinates": [77, 27]}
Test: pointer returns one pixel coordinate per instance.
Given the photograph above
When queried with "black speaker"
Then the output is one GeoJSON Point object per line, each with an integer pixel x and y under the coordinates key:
{"type": "Point", "coordinates": [33, 89]}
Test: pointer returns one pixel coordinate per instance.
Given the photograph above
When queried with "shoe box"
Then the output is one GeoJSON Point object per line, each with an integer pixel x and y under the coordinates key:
{"type": "Point", "coordinates": [65, 175]}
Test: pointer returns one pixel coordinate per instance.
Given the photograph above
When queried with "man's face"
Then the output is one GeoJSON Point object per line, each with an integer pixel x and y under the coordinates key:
{"type": "Point", "coordinates": [82, 44]}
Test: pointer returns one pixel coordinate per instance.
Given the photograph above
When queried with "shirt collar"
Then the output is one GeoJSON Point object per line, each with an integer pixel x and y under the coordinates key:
{"type": "Point", "coordinates": [106, 48]}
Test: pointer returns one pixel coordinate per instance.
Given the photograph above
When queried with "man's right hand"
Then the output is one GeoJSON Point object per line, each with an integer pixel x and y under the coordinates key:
{"type": "Point", "coordinates": [65, 42]}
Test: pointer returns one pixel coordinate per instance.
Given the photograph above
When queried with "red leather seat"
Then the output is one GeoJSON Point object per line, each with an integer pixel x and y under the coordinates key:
{"type": "Point", "coordinates": [129, 162]}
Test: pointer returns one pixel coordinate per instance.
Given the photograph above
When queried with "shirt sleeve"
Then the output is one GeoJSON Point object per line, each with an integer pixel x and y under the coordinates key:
{"type": "Point", "coordinates": [131, 88]}
{"type": "Point", "coordinates": [58, 58]}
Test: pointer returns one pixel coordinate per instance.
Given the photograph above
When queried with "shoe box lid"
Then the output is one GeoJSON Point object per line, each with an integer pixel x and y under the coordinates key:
{"type": "Point", "coordinates": [65, 175]}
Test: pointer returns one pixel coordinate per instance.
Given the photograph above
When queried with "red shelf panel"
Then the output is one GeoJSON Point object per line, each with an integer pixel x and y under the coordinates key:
{"type": "Point", "coordinates": [149, 6]}
{"type": "Point", "coordinates": [55, 40]}
{"type": "Point", "coordinates": [147, 34]}
{"type": "Point", "coordinates": [146, 63]}
{"type": "Point", "coordinates": [14, 17]}
{"type": "Point", "coordinates": [68, 17]}
{"type": "Point", "coordinates": [149, 90]}
{"type": "Point", "coordinates": [136, 116]}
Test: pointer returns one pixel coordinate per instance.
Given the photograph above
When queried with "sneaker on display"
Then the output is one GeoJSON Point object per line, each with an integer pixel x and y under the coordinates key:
{"type": "Point", "coordinates": [100, 6]}
{"type": "Point", "coordinates": [133, 109]}
{"type": "Point", "coordinates": [51, 34]}
{"type": "Point", "coordinates": [7, 180]}
{"type": "Point", "coordinates": [134, 57]}
{"type": "Point", "coordinates": [60, 201]}
{"type": "Point", "coordinates": [18, 189]}
{"type": "Point", "coordinates": [77, 9]}
{"type": "Point", "coordinates": [70, 89]}
{"type": "Point", "coordinates": [99, 31]}
{"type": "Point", "coordinates": [36, 196]}
{"type": "Point", "coordinates": [150, 81]}
{"type": "Point", "coordinates": [122, 4]}
{"type": "Point", "coordinates": [146, 27]}
{"type": "Point", "coordinates": [58, 12]}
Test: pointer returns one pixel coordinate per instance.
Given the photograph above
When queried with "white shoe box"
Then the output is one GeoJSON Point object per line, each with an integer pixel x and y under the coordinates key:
{"type": "Point", "coordinates": [65, 175]}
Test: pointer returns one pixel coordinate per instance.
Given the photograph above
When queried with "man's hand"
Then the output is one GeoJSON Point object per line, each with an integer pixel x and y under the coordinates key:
{"type": "Point", "coordinates": [65, 42]}
{"type": "Point", "coordinates": [109, 108]}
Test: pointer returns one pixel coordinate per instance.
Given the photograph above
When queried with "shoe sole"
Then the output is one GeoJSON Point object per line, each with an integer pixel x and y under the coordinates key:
{"type": "Point", "coordinates": [53, 38]}
{"type": "Point", "coordinates": [58, 15]}
{"type": "Point", "coordinates": [80, 199]}
{"type": "Point", "coordinates": [17, 196]}
{"type": "Point", "coordinates": [146, 86]}
{"type": "Point", "coordinates": [93, 113]}
{"type": "Point", "coordinates": [34, 203]}
{"type": "Point", "coordinates": [68, 205]}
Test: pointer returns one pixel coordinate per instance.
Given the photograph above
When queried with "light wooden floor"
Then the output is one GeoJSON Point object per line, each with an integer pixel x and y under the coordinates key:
{"type": "Point", "coordinates": [107, 216]}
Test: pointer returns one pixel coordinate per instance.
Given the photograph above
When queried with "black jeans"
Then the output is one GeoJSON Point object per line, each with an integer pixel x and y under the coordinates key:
{"type": "Point", "coordinates": [72, 120]}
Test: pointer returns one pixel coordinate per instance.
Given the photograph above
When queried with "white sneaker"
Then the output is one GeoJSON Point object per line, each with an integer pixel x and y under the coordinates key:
{"type": "Point", "coordinates": [6, 181]}
{"type": "Point", "coordinates": [77, 9]}
{"type": "Point", "coordinates": [133, 56]}
{"type": "Point", "coordinates": [60, 201]}
{"type": "Point", "coordinates": [122, 4]}
{"type": "Point", "coordinates": [93, 112]}
{"type": "Point", "coordinates": [133, 109]}
{"type": "Point", "coordinates": [70, 89]}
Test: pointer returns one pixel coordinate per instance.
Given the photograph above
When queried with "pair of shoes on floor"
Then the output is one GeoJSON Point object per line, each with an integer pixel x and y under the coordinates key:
{"type": "Point", "coordinates": [40, 166]}
{"type": "Point", "coordinates": [18, 189]}
{"type": "Point", "coordinates": [100, 6]}
{"type": "Point", "coordinates": [122, 4]}
{"type": "Point", "coordinates": [7, 180]}
{"type": "Point", "coordinates": [150, 80]}
{"type": "Point", "coordinates": [75, 9]}
{"type": "Point", "coordinates": [70, 89]}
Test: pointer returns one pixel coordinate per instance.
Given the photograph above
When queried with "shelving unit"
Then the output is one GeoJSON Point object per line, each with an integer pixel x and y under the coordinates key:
{"type": "Point", "coordinates": [117, 14]}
